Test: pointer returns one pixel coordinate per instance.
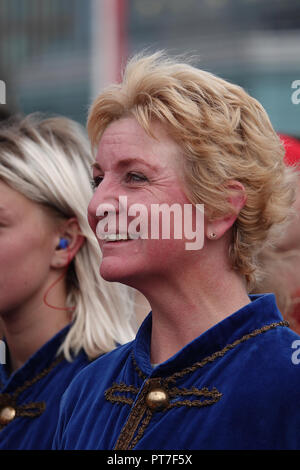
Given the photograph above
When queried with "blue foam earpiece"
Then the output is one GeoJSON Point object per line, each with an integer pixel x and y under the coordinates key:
{"type": "Point", "coordinates": [63, 243]}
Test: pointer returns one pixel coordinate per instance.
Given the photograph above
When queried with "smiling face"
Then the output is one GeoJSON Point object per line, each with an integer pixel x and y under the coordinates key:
{"type": "Point", "coordinates": [26, 249]}
{"type": "Point", "coordinates": [147, 171]}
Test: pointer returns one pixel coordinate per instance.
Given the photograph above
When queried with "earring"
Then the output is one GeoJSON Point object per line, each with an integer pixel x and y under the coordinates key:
{"type": "Point", "coordinates": [212, 235]}
{"type": "Point", "coordinates": [63, 243]}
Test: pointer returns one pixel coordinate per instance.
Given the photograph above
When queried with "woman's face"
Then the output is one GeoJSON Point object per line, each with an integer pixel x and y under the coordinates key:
{"type": "Point", "coordinates": [27, 241]}
{"type": "Point", "coordinates": [146, 171]}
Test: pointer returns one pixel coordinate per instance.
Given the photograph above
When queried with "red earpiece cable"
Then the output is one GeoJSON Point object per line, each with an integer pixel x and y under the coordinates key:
{"type": "Point", "coordinates": [54, 284]}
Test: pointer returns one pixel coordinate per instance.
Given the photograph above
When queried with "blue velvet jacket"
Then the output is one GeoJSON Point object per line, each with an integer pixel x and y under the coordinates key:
{"type": "Point", "coordinates": [234, 387]}
{"type": "Point", "coordinates": [33, 394]}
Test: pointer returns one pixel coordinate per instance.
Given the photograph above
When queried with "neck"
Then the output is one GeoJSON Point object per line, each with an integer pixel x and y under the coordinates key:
{"type": "Point", "coordinates": [185, 307]}
{"type": "Point", "coordinates": [28, 328]}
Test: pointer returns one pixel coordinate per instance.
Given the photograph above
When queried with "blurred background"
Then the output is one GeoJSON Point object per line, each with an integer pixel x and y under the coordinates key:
{"type": "Point", "coordinates": [57, 55]}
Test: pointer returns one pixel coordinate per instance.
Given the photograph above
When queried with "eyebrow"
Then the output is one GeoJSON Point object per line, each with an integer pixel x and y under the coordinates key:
{"type": "Point", "coordinates": [125, 162]}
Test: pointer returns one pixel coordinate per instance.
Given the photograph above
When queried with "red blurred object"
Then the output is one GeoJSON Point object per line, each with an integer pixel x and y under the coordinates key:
{"type": "Point", "coordinates": [292, 158]}
{"type": "Point", "coordinates": [292, 149]}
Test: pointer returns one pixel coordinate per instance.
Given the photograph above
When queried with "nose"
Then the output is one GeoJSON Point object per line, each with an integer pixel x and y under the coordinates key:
{"type": "Point", "coordinates": [104, 199]}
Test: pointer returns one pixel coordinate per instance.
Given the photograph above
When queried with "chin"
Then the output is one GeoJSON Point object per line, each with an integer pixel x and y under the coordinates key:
{"type": "Point", "coordinates": [115, 273]}
{"type": "Point", "coordinates": [136, 279]}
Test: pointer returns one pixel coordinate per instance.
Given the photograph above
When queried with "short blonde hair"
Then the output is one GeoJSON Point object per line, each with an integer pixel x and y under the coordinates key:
{"type": "Point", "coordinates": [49, 162]}
{"type": "Point", "coordinates": [224, 134]}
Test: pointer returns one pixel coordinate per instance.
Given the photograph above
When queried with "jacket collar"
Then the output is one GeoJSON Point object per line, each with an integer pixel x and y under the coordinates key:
{"type": "Point", "coordinates": [261, 311]}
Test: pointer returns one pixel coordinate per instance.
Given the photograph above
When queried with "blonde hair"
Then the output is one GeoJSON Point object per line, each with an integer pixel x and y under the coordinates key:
{"type": "Point", "coordinates": [224, 134]}
{"type": "Point", "coordinates": [280, 278]}
{"type": "Point", "coordinates": [49, 162]}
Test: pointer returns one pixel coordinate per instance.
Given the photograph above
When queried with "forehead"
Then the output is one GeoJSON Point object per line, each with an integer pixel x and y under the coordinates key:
{"type": "Point", "coordinates": [126, 138]}
{"type": "Point", "coordinates": [8, 194]}
{"type": "Point", "coordinates": [14, 204]}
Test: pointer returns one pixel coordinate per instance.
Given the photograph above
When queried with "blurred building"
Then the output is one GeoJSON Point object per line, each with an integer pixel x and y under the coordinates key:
{"type": "Point", "coordinates": [253, 43]}
{"type": "Point", "coordinates": [56, 55]}
{"type": "Point", "coordinates": [45, 54]}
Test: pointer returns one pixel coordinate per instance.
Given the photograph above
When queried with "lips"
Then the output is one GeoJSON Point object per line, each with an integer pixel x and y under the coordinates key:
{"type": "Point", "coordinates": [113, 237]}
{"type": "Point", "coordinates": [116, 237]}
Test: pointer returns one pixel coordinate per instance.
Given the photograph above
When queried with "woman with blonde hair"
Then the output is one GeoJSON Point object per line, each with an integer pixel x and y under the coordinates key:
{"type": "Point", "coordinates": [56, 312]}
{"type": "Point", "coordinates": [211, 367]}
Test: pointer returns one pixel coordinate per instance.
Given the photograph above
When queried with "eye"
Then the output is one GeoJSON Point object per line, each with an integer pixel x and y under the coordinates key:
{"type": "Point", "coordinates": [135, 178]}
{"type": "Point", "coordinates": [95, 181]}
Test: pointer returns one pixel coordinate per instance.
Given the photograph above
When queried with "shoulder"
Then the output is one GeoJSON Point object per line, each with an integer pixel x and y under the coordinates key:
{"type": "Point", "coordinates": [283, 358]}
{"type": "Point", "coordinates": [270, 363]}
{"type": "Point", "coordinates": [99, 371]}
{"type": "Point", "coordinates": [87, 388]}
{"type": "Point", "coordinates": [67, 369]}
{"type": "Point", "coordinates": [277, 346]}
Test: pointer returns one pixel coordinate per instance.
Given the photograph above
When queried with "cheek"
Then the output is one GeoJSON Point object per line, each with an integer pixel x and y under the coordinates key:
{"type": "Point", "coordinates": [26, 262]}
{"type": "Point", "coordinates": [91, 212]}
{"type": "Point", "coordinates": [24, 256]}
{"type": "Point", "coordinates": [165, 250]}
{"type": "Point", "coordinates": [14, 248]}
{"type": "Point", "coordinates": [92, 222]}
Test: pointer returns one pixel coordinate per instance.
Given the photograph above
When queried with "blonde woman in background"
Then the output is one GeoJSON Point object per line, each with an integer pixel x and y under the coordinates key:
{"type": "Point", "coordinates": [4, 114]}
{"type": "Point", "coordinates": [57, 314]}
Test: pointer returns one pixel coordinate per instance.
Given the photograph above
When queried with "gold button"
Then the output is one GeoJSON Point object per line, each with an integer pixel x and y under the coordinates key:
{"type": "Point", "coordinates": [7, 414]}
{"type": "Point", "coordinates": [157, 399]}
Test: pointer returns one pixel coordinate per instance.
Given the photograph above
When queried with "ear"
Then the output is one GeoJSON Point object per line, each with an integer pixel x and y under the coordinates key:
{"type": "Point", "coordinates": [64, 253]}
{"type": "Point", "coordinates": [216, 228]}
